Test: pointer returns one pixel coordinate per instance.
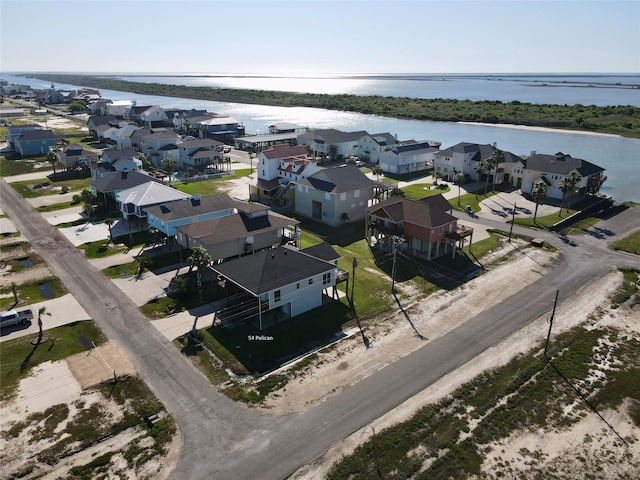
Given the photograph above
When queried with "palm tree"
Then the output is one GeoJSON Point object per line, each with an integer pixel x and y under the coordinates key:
{"type": "Point", "coordinates": [480, 168]}
{"type": "Point", "coordinates": [538, 192]}
{"type": "Point", "coordinates": [459, 180]}
{"type": "Point", "coordinates": [143, 262]}
{"type": "Point", "coordinates": [377, 171]}
{"type": "Point", "coordinates": [41, 311]}
{"type": "Point", "coordinates": [200, 259]}
{"type": "Point", "coordinates": [568, 185]}
{"type": "Point", "coordinates": [437, 176]}
{"type": "Point", "coordinates": [168, 165]}
{"type": "Point", "coordinates": [109, 222]}
{"type": "Point", "coordinates": [494, 162]}
{"type": "Point", "coordinates": [52, 158]}
{"type": "Point", "coordinates": [333, 151]}
{"type": "Point", "coordinates": [179, 286]}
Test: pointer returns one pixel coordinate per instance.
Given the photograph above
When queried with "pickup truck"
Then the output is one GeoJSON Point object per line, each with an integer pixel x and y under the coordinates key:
{"type": "Point", "coordinates": [15, 317]}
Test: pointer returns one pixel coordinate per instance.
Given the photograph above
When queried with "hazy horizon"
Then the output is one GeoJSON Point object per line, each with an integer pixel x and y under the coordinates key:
{"type": "Point", "coordinates": [307, 37]}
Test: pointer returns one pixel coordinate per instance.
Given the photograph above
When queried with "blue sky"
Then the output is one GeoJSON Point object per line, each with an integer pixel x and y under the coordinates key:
{"type": "Point", "coordinates": [309, 37]}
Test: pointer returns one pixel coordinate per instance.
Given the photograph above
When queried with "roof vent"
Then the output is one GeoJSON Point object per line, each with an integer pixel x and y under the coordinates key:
{"type": "Point", "coordinates": [273, 256]}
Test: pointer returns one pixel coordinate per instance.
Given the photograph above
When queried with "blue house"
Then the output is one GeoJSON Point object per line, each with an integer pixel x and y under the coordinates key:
{"type": "Point", "coordinates": [35, 142]}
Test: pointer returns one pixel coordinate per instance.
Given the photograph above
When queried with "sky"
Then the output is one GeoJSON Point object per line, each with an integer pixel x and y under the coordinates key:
{"type": "Point", "coordinates": [316, 37]}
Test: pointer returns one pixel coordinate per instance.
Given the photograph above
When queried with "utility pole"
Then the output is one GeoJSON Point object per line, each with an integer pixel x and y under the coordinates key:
{"type": "Point", "coordinates": [553, 313]}
{"type": "Point", "coordinates": [393, 268]}
{"type": "Point", "coordinates": [353, 277]}
{"type": "Point", "coordinates": [513, 219]}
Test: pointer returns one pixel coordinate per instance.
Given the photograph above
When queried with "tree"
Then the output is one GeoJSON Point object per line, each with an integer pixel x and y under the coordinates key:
{"type": "Point", "coordinates": [568, 185]}
{"type": "Point", "coordinates": [377, 171]}
{"type": "Point", "coordinates": [147, 166]}
{"type": "Point", "coordinates": [251, 161]}
{"type": "Point", "coordinates": [459, 180]}
{"type": "Point", "coordinates": [41, 311]}
{"type": "Point", "coordinates": [143, 261]}
{"type": "Point", "coordinates": [538, 192]}
{"type": "Point", "coordinates": [179, 286]}
{"type": "Point", "coordinates": [493, 162]}
{"type": "Point", "coordinates": [168, 165]}
{"type": "Point", "coordinates": [333, 151]}
{"type": "Point", "coordinates": [397, 192]}
{"type": "Point", "coordinates": [200, 259]}
{"type": "Point", "coordinates": [436, 176]}
{"type": "Point", "coordinates": [480, 168]}
{"type": "Point", "coordinates": [109, 222]}
{"type": "Point", "coordinates": [52, 158]}
{"type": "Point", "coordinates": [89, 209]}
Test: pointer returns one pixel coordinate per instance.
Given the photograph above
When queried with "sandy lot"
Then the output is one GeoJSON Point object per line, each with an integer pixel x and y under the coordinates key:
{"type": "Point", "coordinates": [561, 448]}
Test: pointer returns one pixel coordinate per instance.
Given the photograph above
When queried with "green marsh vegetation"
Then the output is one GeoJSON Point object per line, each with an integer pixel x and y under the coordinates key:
{"type": "Point", "coordinates": [617, 120]}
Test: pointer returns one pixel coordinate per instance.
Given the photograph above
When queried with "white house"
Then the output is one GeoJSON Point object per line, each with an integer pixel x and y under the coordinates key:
{"type": "Point", "coordinates": [553, 168]}
{"type": "Point", "coordinates": [161, 145]}
{"type": "Point", "coordinates": [408, 157]}
{"type": "Point", "coordinates": [282, 281]}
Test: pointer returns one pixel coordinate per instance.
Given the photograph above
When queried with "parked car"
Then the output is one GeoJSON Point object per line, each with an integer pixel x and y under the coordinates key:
{"type": "Point", "coordinates": [15, 317]}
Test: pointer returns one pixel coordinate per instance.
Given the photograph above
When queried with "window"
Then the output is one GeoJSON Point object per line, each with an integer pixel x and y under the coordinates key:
{"type": "Point", "coordinates": [276, 296]}
{"type": "Point", "coordinates": [440, 229]}
{"type": "Point", "coordinates": [326, 278]}
{"type": "Point", "coordinates": [310, 281]}
{"type": "Point", "coordinates": [298, 286]}
{"type": "Point", "coordinates": [343, 196]}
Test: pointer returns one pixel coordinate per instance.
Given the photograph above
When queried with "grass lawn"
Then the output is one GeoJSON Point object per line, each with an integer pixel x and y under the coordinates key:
{"type": "Point", "coordinates": [19, 356]}
{"type": "Point", "coordinates": [33, 292]}
{"type": "Point", "coordinates": [17, 166]}
{"type": "Point", "coordinates": [51, 185]}
{"type": "Point", "coordinates": [471, 200]}
{"type": "Point", "coordinates": [100, 249]}
{"type": "Point", "coordinates": [57, 206]}
{"type": "Point", "coordinates": [422, 190]}
{"type": "Point", "coordinates": [630, 243]}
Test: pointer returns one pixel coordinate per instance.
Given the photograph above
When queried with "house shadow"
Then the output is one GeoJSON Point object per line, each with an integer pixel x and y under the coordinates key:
{"type": "Point", "coordinates": [282, 339]}
{"type": "Point", "coordinates": [443, 272]}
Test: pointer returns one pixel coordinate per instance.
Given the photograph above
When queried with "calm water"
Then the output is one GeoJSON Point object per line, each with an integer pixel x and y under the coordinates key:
{"type": "Point", "coordinates": [620, 156]}
{"type": "Point", "coordinates": [552, 89]}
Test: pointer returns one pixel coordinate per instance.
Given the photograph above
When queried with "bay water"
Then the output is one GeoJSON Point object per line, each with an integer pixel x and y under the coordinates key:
{"type": "Point", "coordinates": [618, 155]}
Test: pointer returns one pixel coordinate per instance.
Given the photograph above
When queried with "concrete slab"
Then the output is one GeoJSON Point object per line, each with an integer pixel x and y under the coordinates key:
{"type": "Point", "coordinates": [7, 226]}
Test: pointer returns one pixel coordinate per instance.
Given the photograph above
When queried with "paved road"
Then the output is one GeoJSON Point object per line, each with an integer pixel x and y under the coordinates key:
{"type": "Point", "coordinates": [224, 440]}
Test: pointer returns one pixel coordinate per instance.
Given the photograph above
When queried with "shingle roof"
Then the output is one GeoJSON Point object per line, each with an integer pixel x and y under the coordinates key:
{"type": "Point", "coordinates": [338, 180]}
{"type": "Point", "coordinates": [271, 269]}
{"type": "Point", "coordinates": [561, 164]}
{"type": "Point", "coordinates": [192, 207]}
{"type": "Point", "coordinates": [282, 151]}
{"type": "Point", "coordinates": [403, 210]}
{"type": "Point", "coordinates": [238, 225]}
{"type": "Point", "coordinates": [323, 251]}
{"type": "Point", "coordinates": [121, 181]}
{"type": "Point", "coordinates": [115, 155]}
{"type": "Point", "coordinates": [32, 135]}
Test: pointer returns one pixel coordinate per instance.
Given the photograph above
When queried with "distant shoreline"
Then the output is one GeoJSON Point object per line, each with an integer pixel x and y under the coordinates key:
{"type": "Point", "coordinates": [540, 129]}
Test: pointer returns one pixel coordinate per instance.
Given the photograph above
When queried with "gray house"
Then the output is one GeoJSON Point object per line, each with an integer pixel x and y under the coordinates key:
{"type": "Point", "coordinates": [334, 196]}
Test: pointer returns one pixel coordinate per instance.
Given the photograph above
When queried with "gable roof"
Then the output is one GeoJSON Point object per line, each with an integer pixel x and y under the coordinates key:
{"type": "Point", "coordinates": [193, 207]}
{"type": "Point", "coordinates": [272, 269]}
{"type": "Point", "coordinates": [284, 150]}
{"type": "Point", "coordinates": [340, 137]}
{"type": "Point", "coordinates": [561, 164]}
{"type": "Point", "coordinates": [33, 135]}
{"type": "Point", "coordinates": [338, 180]}
{"type": "Point", "coordinates": [231, 227]}
{"type": "Point", "coordinates": [480, 151]}
{"type": "Point", "coordinates": [404, 210]}
{"type": "Point", "coordinates": [121, 181]}
{"type": "Point", "coordinates": [112, 156]}
{"type": "Point", "coordinates": [150, 193]}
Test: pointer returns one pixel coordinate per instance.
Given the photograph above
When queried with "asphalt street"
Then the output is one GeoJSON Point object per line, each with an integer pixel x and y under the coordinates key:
{"type": "Point", "coordinates": [225, 440]}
